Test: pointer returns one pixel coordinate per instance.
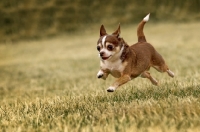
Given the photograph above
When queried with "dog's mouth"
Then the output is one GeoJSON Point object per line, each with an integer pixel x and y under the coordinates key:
{"type": "Point", "coordinates": [105, 58]}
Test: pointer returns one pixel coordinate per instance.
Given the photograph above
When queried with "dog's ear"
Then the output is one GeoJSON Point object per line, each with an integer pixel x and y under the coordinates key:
{"type": "Point", "coordinates": [117, 32]}
{"type": "Point", "coordinates": [102, 31]}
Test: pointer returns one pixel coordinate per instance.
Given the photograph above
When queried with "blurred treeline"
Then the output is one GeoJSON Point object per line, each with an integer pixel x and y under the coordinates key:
{"type": "Point", "coordinates": [25, 19]}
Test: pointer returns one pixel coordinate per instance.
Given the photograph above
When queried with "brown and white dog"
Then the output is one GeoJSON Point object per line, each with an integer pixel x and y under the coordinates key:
{"type": "Point", "coordinates": [127, 62]}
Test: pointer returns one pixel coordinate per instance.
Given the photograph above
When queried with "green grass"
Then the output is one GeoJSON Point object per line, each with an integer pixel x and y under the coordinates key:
{"type": "Point", "coordinates": [51, 85]}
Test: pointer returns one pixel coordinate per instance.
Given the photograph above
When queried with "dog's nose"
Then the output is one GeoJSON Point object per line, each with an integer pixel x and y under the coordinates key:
{"type": "Point", "coordinates": [101, 53]}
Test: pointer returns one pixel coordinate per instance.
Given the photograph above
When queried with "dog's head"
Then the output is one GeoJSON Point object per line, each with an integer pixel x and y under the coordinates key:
{"type": "Point", "coordinates": [110, 47]}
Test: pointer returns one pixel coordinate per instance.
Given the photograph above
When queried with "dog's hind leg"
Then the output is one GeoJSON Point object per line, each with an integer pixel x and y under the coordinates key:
{"type": "Point", "coordinates": [146, 74]}
{"type": "Point", "coordinates": [159, 64]}
{"type": "Point", "coordinates": [164, 68]}
{"type": "Point", "coordinates": [170, 73]}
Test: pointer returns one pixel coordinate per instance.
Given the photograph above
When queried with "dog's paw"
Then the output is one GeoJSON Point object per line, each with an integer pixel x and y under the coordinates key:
{"type": "Point", "coordinates": [100, 74]}
{"type": "Point", "coordinates": [111, 89]}
{"type": "Point", "coordinates": [170, 73]}
{"type": "Point", "coordinates": [155, 82]}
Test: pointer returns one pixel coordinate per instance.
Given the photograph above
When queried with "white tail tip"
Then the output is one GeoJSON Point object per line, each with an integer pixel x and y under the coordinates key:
{"type": "Point", "coordinates": [146, 18]}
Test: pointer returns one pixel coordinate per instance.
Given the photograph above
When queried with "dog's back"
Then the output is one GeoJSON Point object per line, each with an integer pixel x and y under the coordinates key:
{"type": "Point", "coordinates": [146, 54]}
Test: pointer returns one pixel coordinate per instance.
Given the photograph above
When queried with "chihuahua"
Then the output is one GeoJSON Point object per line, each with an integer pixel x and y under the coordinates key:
{"type": "Point", "coordinates": [127, 62]}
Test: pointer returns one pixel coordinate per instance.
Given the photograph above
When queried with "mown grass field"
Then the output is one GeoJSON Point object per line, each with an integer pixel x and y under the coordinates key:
{"type": "Point", "coordinates": [51, 85]}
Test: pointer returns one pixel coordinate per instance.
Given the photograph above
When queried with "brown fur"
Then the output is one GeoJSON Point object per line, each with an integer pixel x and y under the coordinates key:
{"type": "Point", "coordinates": [136, 59]}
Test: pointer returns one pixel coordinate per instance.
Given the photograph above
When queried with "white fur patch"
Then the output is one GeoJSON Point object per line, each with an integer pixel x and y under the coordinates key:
{"type": "Point", "coordinates": [100, 73]}
{"type": "Point", "coordinates": [114, 64]}
{"type": "Point", "coordinates": [146, 18]}
{"type": "Point", "coordinates": [111, 89]}
{"type": "Point", "coordinates": [103, 40]}
{"type": "Point", "coordinates": [170, 73]}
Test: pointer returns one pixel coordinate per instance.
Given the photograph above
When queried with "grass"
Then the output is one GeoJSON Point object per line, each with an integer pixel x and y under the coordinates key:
{"type": "Point", "coordinates": [51, 85]}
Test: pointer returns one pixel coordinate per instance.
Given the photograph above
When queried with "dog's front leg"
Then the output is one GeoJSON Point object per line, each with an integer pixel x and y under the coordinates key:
{"type": "Point", "coordinates": [123, 79]}
{"type": "Point", "coordinates": [102, 74]}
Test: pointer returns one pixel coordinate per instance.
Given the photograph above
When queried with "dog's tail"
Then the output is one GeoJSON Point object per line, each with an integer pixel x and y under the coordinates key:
{"type": "Point", "coordinates": [140, 33]}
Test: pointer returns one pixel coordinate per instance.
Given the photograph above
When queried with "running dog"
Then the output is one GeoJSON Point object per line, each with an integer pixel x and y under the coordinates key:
{"type": "Point", "coordinates": [127, 62]}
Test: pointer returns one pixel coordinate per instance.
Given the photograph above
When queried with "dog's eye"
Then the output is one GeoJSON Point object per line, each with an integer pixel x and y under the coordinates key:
{"type": "Point", "coordinates": [110, 47]}
{"type": "Point", "coordinates": [98, 48]}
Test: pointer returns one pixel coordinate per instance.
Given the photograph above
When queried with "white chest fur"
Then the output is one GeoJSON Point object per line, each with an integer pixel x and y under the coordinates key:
{"type": "Point", "coordinates": [115, 68]}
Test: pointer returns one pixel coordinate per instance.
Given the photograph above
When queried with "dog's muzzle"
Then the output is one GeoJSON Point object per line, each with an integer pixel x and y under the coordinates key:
{"type": "Point", "coordinates": [102, 56]}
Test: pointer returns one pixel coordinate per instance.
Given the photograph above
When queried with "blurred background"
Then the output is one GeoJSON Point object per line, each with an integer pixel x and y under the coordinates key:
{"type": "Point", "coordinates": [33, 19]}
